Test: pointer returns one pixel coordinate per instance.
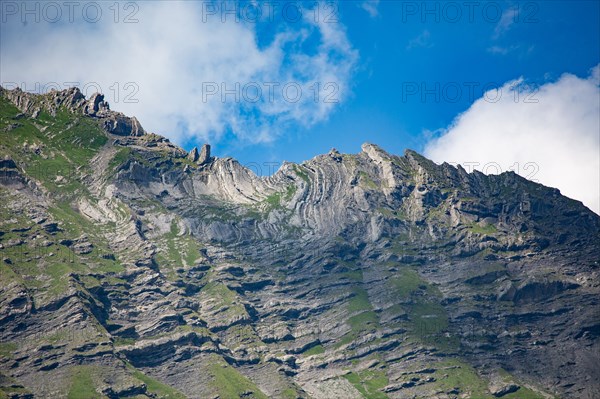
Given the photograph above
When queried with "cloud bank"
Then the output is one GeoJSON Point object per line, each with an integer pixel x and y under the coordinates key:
{"type": "Point", "coordinates": [550, 134]}
{"type": "Point", "coordinates": [193, 71]}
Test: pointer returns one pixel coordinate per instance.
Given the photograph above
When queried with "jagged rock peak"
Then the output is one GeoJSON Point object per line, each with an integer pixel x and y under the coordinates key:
{"type": "Point", "coordinates": [201, 157]}
{"type": "Point", "coordinates": [193, 154]}
{"type": "Point", "coordinates": [96, 104]}
{"type": "Point", "coordinates": [370, 147]}
{"type": "Point", "coordinates": [204, 155]}
{"type": "Point", "coordinates": [335, 154]}
{"type": "Point", "coordinates": [74, 101]}
{"type": "Point", "coordinates": [375, 152]}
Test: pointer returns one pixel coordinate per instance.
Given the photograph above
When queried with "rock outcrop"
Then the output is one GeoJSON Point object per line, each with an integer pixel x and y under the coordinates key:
{"type": "Point", "coordinates": [72, 100]}
{"type": "Point", "coordinates": [193, 155]}
{"type": "Point", "coordinates": [204, 156]}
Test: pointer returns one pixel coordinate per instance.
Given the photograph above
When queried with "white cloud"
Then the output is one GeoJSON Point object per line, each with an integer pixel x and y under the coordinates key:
{"type": "Point", "coordinates": [555, 126]}
{"type": "Point", "coordinates": [420, 41]}
{"type": "Point", "coordinates": [506, 21]}
{"type": "Point", "coordinates": [371, 6]}
{"type": "Point", "coordinates": [502, 50]}
{"type": "Point", "coordinates": [176, 50]}
{"type": "Point", "coordinates": [522, 51]}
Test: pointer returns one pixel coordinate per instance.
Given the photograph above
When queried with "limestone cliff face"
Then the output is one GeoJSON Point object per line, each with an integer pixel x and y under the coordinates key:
{"type": "Point", "coordinates": [147, 271]}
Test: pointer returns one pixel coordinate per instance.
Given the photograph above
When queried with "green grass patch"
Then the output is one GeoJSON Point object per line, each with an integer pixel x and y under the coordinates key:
{"type": "Point", "coordinates": [120, 157]}
{"type": "Point", "coordinates": [366, 181]}
{"type": "Point", "coordinates": [7, 109]}
{"type": "Point", "coordinates": [301, 174]}
{"type": "Point", "coordinates": [222, 297]}
{"type": "Point", "coordinates": [456, 374]}
{"type": "Point", "coordinates": [59, 272]}
{"type": "Point", "coordinates": [242, 335]}
{"type": "Point", "coordinates": [83, 384]}
{"type": "Point", "coordinates": [178, 250]}
{"type": "Point", "coordinates": [289, 192]}
{"type": "Point", "coordinates": [273, 201]}
{"type": "Point", "coordinates": [354, 275]}
{"type": "Point", "coordinates": [359, 301]}
{"type": "Point", "coordinates": [290, 393]}
{"type": "Point", "coordinates": [369, 383]}
{"type": "Point", "coordinates": [405, 282]}
{"type": "Point", "coordinates": [363, 321]}
{"type": "Point", "coordinates": [389, 213]}
{"type": "Point", "coordinates": [120, 341]}
{"type": "Point", "coordinates": [315, 350]}
{"type": "Point", "coordinates": [46, 269]}
{"type": "Point", "coordinates": [429, 325]}
{"type": "Point", "coordinates": [428, 318]}
{"type": "Point", "coordinates": [157, 388]}
{"type": "Point", "coordinates": [76, 225]}
{"type": "Point", "coordinates": [6, 349]}
{"type": "Point", "coordinates": [483, 230]}
{"type": "Point", "coordinates": [524, 393]}
{"type": "Point", "coordinates": [65, 145]}
{"type": "Point", "coordinates": [9, 388]}
{"type": "Point", "coordinates": [219, 291]}
{"type": "Point", "coordinates": [229, 383]}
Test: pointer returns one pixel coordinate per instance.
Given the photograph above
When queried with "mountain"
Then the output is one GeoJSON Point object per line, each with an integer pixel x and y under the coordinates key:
{"type": "Point", "coordinates": [131, 268]}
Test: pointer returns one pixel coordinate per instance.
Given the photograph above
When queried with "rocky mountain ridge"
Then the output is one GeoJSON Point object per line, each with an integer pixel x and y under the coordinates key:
{"type": "Point", "coordinates": [144, 270]}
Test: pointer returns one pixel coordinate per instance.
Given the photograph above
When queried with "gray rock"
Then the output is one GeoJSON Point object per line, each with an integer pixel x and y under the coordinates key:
{"type": "Point", "coordinates": [193, 155]}
{"type": "Point", "coordinates": [499, 390]}
{"type": "Point", "coordinates": [204, 156]}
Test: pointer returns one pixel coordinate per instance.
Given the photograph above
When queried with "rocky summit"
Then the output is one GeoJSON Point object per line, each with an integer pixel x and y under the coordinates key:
{"type": "Point", "coordinates": [131, 268]}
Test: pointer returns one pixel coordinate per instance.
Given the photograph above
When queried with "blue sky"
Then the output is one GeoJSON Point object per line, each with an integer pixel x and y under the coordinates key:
{"type": "Point", "coordinates": [551, 38]}
{"type": "Point", "coordinates": [509, 84]}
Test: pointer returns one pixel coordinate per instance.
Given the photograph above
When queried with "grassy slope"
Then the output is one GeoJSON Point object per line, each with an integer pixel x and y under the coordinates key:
{"type": "Point", "coordinates": [55, 152]}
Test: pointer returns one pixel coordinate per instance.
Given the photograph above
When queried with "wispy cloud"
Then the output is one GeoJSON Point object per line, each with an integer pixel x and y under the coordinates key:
{"type": "Point", "coordinates": [194, 76]}
{"type": "Point", "coordinates": [504, 50]}
{"type": "Point", "coordinates": [501, 50]}
{"type": "Point", "coordinates": [506, 21]}
{"type": "Point", "coordinates": [423, 40]}
{"type": "Point", "coordinates": [371, 6]}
